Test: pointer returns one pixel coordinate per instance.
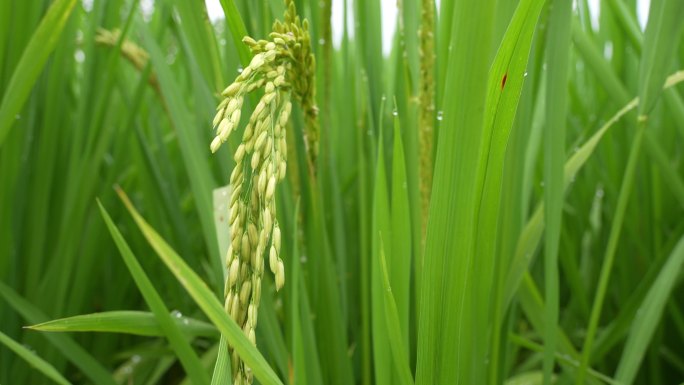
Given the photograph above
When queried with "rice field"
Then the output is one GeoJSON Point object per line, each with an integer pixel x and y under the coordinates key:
{"type": "Point", "coordinates": [280, 192]}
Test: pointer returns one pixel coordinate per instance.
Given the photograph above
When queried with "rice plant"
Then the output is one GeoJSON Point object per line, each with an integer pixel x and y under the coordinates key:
{"type": "Point", "coordinates": [491, 194]}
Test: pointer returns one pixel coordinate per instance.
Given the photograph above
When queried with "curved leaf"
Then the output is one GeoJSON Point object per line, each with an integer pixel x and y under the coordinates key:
{"type": "Point", "coordinates": [205, 299]}
{"type": "Point", "coordinates": [129, 322]}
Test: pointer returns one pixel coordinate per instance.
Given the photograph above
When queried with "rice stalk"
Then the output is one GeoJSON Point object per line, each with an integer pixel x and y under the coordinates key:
{"type": "Point", "coordinates": [283, 67]}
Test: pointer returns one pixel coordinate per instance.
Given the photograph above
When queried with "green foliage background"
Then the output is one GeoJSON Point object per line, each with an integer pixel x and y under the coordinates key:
{"type": "Point", "coordinates": [554, 234]}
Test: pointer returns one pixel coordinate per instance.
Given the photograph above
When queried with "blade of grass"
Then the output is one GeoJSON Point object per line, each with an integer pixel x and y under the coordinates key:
{"type": "Point", "coordinates": [400, 260]}
{"type": "Point", "coordinates": [384, 373]}
{"type": "Point", "coordinates": [606, 268]}
{"type": "Point", "coordinates": [618, 328]}
{"type": "Point", "coordinates": [81, 359]}
{"type": "Point", "coordinates": [505, 82]}
{"type": "Point", "coordinates": [179, 343]}
{"type": "Point", "coordinates": [669, 172]}
{"type": "Point", "coordinates": [392, 323]}
{"type": "Point", "coordinates": [662, 25]}
{"type": "Point", "coordinates": [530, 237]}
{"type": "Point", "coordinates": [561, 358]}
{"type": "Point", "coordinates": [38, 363]}
{"type": "Point", "coordinates": [368, 16]}
{"type": "Point", "coordinates": [237, 30]}
{"type": "Point", "coordinates": [196, 27]}
{"type": "Point", "coordinates": [222, 368]}
{"type": "Point", "coordinates": [305, 359]}
{"type": "Point", "coordinates": [195, 161]}
{"type": "Point", "coordinates": [648, 317]}
{"type": "Point", "coordinates": [557, 55]}
{"type": "Point", "coordinates": [270, 333]}
{"type": "Point", "coordinates": [205, 299]}
{"type": "Point", "coordinates": [447, 332]}
{"type": "Point", "coordinates": [125, 321]}
{"type": "Point", "coordinates": [208, 359]}
{"type": "Point", "coordinates": [30, 65]}
{"type": "Point", "coordinates": [298, 353]}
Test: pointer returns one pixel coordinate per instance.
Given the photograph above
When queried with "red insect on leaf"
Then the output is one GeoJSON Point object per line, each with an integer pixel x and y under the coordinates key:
{"type": "Point", "coordinates": [503, 80]}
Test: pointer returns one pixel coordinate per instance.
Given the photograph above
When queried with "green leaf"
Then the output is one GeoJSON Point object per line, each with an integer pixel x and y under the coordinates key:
{"type": "Point", "coordinates": [179, 343]}
{"type": "Point", "coordinates": [198, 30]}
{"type": "Point", "coordinates": [38, 363]}
{"type": "Point", "coordinates": [194, 153]}
{"type": "Point", "coordinates": [237, 30]}
{"type": "Point", "coordinates": [298, 351]}
{"type": "Point", "coordinates": [128, 322]}
{"type": "Point", "coordinates": [447, 336]}
{"type": "Point", "coordinates": [205, 299]}
{"type": "Point", "coordinates": [222, 369]}
{"type": "Point", "coordinates": [78, 356]}
{"type": "Point", "coordinates": [648, 316]}
{"type": "Point", "coordinates": [30, 65]}
{"type": "Point", "coordinates": [381, 226]}
{"type": "Point", "coordinates": [531, 235]}
{"type": "Point", "coordinates": [664, 21]}
{"type": "Point", "coordinates": [557, 61]}
{"type": "Point", "coordinates": [561, 358]}
{"type": "Point", "coordinates": [394, 331]}
{"type": "Point", "coordinates": [660, 42]}
{"type": "Point", "coordinates": [505, 83]}
{"type": "Point", "coordinates": [399, 261]}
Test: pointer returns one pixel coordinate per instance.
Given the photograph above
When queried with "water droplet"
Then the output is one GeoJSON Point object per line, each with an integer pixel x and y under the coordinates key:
{"type": "Point", "coordinates": [87, 5]}
{"type": "Point", "coordinates": [303, 258]}
{"type": "Point", "coordinates": [79, 56]}
{"type": "Point", "coordinates": [440, 115]}
{"type": "Point", "coordinates": [17, 116]}
{"type": "Point", "coordinates": [176, 313]}
{"type": "Point", "coordinates": [525, 74]}
{"type": "Point", "coordinates": [135, 359]}
{"type": "Point", "coordinates": [185, 321]}
{"type": "Point", "coordinates": [599, 193]}
{"type": "Point", "coordinates": [541, 184]}
{"type": "Point", "coordinates": [240, 69]}
{"type": "Point", "coordinates": [395, 113]}
{"type": "Point", "coordinates": [321, 41]}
